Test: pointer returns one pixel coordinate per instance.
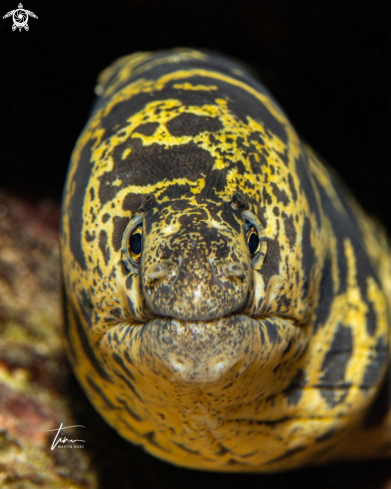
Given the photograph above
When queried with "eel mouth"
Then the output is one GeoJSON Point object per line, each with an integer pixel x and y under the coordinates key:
{"type": "Point", "coordinates": [224, 358]}
{"type": "Point", "coordinates": [199, 352]}
{"type": "Point", "coordinates": [202, 351]}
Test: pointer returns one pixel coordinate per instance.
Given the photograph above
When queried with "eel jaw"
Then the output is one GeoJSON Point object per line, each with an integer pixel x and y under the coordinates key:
{"type": "Point", "coordinates": [214, 352]}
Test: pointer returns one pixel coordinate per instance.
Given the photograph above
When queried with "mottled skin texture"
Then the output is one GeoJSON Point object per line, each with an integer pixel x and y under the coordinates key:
{"type": "Point", "coordinates": [206, 356]}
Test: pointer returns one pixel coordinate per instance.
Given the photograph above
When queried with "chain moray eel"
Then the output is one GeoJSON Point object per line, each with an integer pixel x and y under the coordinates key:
{"type": "Point", "coordinates": [226, 300]}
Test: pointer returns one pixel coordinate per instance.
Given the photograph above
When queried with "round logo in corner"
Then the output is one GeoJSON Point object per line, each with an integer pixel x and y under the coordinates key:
{"type": "Point", "coordinates": [20, 16]}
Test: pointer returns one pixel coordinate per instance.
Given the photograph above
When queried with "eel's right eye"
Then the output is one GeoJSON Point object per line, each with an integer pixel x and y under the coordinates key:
{"type": "Point", "coordinates": [132, 243]}
{"type": "Point", "coordinates": [135, 243]}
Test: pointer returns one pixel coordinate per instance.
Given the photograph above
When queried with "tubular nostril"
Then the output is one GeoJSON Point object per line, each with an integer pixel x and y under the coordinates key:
{"type": "Point", "coordinates": [156, 271]}
{"type": "Point", "coordinates": [234, 270]}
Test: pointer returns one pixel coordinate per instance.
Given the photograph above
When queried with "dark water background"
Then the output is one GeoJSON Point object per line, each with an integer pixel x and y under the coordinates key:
{"type": "Point", "coordinates": [328, 63]}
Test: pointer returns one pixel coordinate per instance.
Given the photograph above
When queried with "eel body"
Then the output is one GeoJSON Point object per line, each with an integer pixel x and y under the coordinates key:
{"type": "Point", "coordinates": [227, 302]}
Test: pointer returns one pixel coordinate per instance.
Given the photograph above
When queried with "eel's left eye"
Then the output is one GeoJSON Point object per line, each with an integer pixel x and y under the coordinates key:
{"type": "Point", "coordinates": [135, 242]}
{"type": "Point", "coordinates": [253, 241]}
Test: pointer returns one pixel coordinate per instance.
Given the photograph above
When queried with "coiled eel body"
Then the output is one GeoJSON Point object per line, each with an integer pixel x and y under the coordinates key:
{"type": "Point", "coordinates": [226, 301]}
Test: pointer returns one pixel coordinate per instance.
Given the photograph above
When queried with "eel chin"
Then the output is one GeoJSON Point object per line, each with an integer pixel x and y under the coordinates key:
{"type": "Point", "coordinates": [198, 352]}
{"type": "Point", "coordinates": [221, 350]}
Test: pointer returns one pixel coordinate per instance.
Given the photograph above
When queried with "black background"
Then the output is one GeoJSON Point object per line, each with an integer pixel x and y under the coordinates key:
{"type": "Point", "coordinates": [326, 62]}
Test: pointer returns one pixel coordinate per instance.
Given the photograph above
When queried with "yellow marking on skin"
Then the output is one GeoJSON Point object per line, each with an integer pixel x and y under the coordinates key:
{"type": "Point", "coordinates": [198, 188]}
{"type": "Point", "coordinates": [334, 257]}
{"type": "Point", "coordinates": [143, 63]}
{"type": "Point", "coordinates": [117, 182]}
{"type": "Point", "coordinates": [356, 315]}
{"type": "Point", "coordinates": [379, 304]}
{"type": "Point", "coordinates": [160, 187]}
{"type": "Point", "coordinates": [197, 88]}
{"type": "Point", "coordinates": [145, 86]}
{"type": "Point", "coordinates": [126, 153]}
